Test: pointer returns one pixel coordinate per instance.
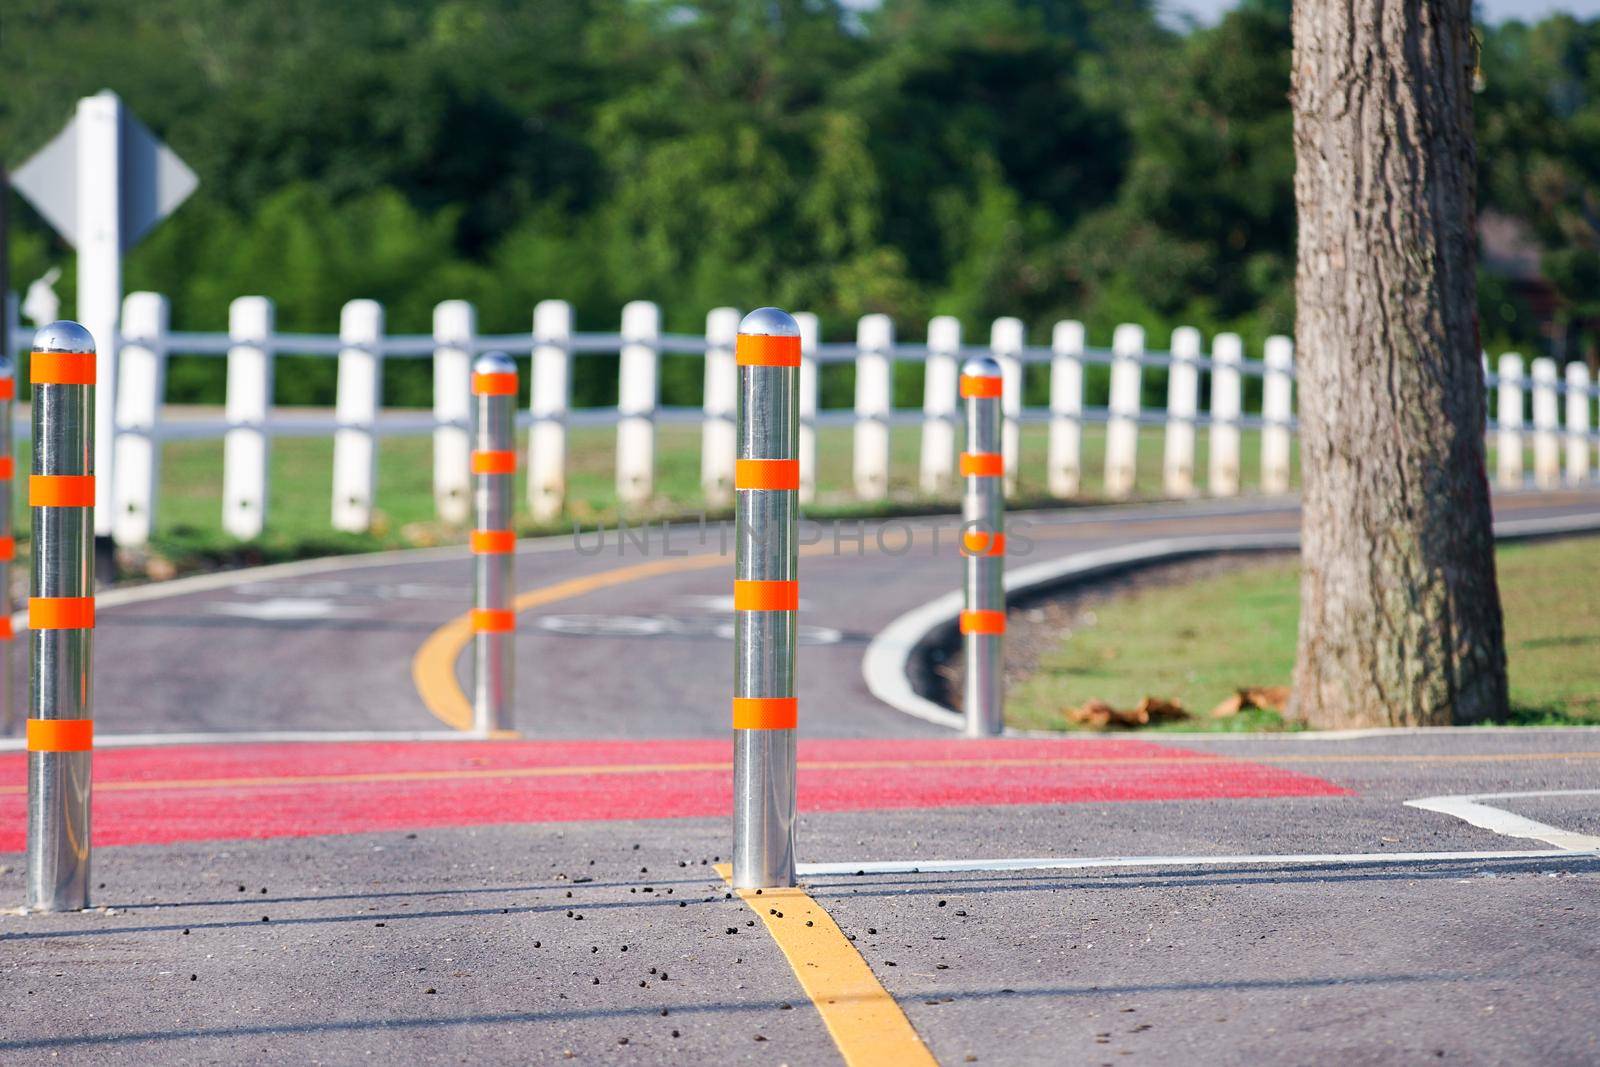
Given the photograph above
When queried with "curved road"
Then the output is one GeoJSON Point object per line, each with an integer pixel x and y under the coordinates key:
{"type": "Point", "coordinates": [280, 649]}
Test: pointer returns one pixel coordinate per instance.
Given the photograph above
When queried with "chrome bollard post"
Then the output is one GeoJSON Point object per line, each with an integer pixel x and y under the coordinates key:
{"type": "Point", "coordinates": [766, 599]}
{"type": "Point", "coordinates": [61, 617]}
{"type": "Point", "coordinates": [8, 542]}
{"type": "Point", "coordinates": [983, 543]}
{"type": "Point", "coordinates": [494, 466]}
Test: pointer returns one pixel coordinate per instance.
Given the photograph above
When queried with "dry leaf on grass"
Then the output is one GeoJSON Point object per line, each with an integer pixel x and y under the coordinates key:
{"type": "Point", "coordinates": [1099, 715]}
{"type": "Point", "coordinates": [1265, 697]}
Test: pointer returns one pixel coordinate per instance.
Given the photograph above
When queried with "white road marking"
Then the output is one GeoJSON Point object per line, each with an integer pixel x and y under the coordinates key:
{"type": "Point", "coordinates": [1059, 863]}
{"type": "Point", "coordinates": [884, 666]}
{"type": "Point", "coordinates": [276, 609]}
{"type": "Point", "coordinates": [1470, 808]}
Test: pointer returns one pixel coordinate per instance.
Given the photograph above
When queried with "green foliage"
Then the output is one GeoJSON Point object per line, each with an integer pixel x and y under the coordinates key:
{"type": "Point", "coordinates": [1043, 158]}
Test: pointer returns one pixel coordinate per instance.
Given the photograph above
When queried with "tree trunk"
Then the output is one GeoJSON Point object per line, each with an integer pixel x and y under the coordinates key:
{"type": "Point", "coordinates": [1400, 614]}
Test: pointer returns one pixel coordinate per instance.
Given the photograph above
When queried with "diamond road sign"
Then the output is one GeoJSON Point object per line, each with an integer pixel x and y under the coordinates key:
{"type": "Point", "coordinates": [153, 182]}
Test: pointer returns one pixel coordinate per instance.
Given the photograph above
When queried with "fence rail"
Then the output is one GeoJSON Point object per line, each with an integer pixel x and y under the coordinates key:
{"type": "Point", "coordinates": [1555, 412]}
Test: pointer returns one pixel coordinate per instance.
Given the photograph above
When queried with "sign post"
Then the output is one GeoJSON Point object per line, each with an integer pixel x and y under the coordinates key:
{"type": "Point", "coordinates": [102, 184]}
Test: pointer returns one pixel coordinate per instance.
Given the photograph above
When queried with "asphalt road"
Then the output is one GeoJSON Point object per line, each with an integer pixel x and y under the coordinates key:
{"type": "Point", "coordinates": [454, 941]}
{"type": "Point", "coordinates": [647, 658]}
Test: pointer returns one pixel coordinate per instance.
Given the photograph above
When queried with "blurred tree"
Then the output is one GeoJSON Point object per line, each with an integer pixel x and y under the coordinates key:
{"type": "Point", "coordinates": [1045, 158]}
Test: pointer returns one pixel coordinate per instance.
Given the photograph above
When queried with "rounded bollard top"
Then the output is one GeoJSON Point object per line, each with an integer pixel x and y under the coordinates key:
{"type": "Point", "coordinates": [769, 322]}
{"type": "Point", "coordinates": [63, 336]}
{"type": "Point", "coordinates": [981, 367]}
{"type": "Point", "coordinates": [494, 363]}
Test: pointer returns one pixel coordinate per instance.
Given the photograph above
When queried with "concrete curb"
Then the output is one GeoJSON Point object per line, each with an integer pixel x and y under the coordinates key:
{"type": "Point", "coordinates": [885, 667]}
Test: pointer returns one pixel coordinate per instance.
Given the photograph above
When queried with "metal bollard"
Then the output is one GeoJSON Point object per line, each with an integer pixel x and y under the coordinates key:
{"type": "Point", "coordinates": [8, 541]}
{"type": "Point", "coordinates": [61, 617]}
{"type": "Point", "coordinates": [983, 543]}
{"type": "Point", "coordinates": [766, 599]}
{"type": "Point", "coordinates": [494, 466]}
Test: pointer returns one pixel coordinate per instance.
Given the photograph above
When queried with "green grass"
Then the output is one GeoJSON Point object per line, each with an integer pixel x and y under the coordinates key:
{"type": "Point", "coordinates": [1197, 642]}
{"type": "Point", "coordinates": [189, 506]}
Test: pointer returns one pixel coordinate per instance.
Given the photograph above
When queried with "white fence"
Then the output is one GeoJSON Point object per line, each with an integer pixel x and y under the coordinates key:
{"type": "Point", "coordinates": [1562, 436]}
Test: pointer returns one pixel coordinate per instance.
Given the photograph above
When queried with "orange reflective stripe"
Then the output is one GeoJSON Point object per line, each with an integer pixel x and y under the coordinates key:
{"type": "Point", "coordinates": [766, 595]}
{"type": "Point", "coordinates": [493, 542]}
{"type": "Point", "coordinates": [760, 350]}
{"type": "Point", "coordinates": [61, 368]}
{"type": "Point", "coordinates": [61, 491]}
{"type": "Point", "coordinates": [61, 613]}
{"type": "Point", "coordinates": [6, 633]}
{"type": "Point", "coordinates": [493, 622]}
{"type": "Point", "coordinates": [982, 464]}
{"type": "Point", "coordinates": [983, 622]}
{"type": "Point", "coordinates": [983, 543]}
{"type": "Point", "coordinates": [494, 463]}
{"type": "Point", "coordinates": [494, 384]}
{"type": "Point", "coordinates": [766, 474]}
{"type": "Point", "coordinates": [765, 713]}
{"type": "Point", "coordinates": [980, 385]}
{"type": "Point", "coordinates": [8, 549]}
{"type": "Point", "coordinates": [8, 388]}
{"type": "Point", "coordinates": [60, 735]}
{"type": "Point", "coordinates": [8, 468]}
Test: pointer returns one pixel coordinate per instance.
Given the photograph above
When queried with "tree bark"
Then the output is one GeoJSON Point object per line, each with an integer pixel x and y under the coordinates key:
{"type": "Point", "coordinates": [1399, 610]}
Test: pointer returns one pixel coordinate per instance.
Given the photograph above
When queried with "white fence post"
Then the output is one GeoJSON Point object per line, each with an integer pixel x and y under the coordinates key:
{"type": "Point", "coordinates": [638, 377]}
{"type": "Point", "coordinates": [1007, 336]}
{"type": "Point", "coordinates": [810, 337]}
{"type": "Point", "coordinates": [246, 448]}
{"type": "Point", "coordinates": [1277, 412]}
{"type": "Point", "coordinates": [455, 323]}
{"type": "Point", "coordinates": [1066, 409]}
{"type": "Point", "coordinates": [1183, 403]}
{"type": "Point", "coordinates": [1122, 427]}
{"type": "Point", "coordinates": [717, 437]}
{"type": "Point", "coordinates": [360, 386]}
{"type": "Point", "coordinates": [1227, 352]}
{"type": "Point", "coordinates": [1546, 425]}
{"type": "Point", "coordinates": [551, 385]}
{"type": "Point", "coordinates": [1577, 423]}
{"type": "Point", "coordinates": [142, 371]}
{"type": "Point", "coordinates": [874, 395]}
{"type": "Point", "coordinates": [1508, 421]}
{"type": "Point", "coordinates": [940, 384]}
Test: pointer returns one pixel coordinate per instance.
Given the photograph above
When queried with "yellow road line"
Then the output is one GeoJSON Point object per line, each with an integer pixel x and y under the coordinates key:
{"type": "Point", "coordinates": [866, 1023]}
{"type": "Point", "coordinates": [1108, 764]}
{"type": "Point", "coordinates": [433, 669]}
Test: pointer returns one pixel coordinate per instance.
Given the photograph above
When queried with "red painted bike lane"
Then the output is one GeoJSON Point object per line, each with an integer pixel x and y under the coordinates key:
{"type": "Point", "coordinates": [242, 791]}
